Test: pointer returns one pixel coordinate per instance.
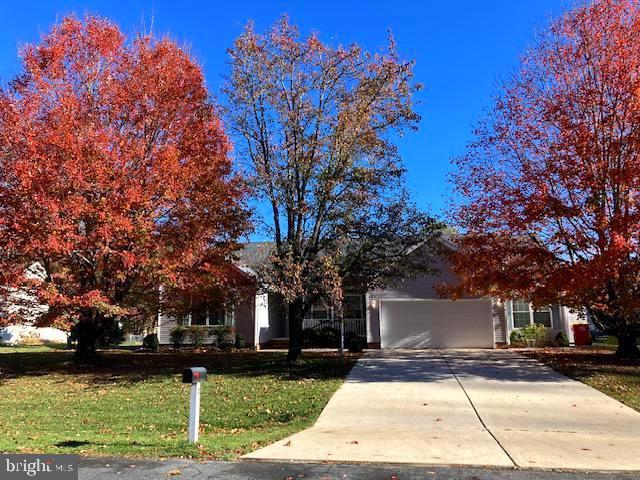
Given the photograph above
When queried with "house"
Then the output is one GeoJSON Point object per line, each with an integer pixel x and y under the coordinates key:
{"type": "Point", "coordinates": [28, 308]}
{"type": "Point", "coordinates": [408, 314]}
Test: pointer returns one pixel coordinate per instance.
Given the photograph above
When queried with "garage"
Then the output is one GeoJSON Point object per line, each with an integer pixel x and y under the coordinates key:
{"type": "Point", "coordinates": [436, 324]}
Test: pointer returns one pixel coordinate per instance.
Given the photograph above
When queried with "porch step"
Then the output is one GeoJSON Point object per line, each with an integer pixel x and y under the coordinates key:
{"type": "Point", "coordinates": [277, 343]}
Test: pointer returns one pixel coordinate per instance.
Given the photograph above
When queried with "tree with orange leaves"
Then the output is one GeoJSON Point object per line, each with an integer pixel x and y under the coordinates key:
{"type": "Point", "coordinates": [550, 189]}
{"type": "Point", "coordinates": [317, 126]}
{"type": "Point", "coordinates": [115, 177]}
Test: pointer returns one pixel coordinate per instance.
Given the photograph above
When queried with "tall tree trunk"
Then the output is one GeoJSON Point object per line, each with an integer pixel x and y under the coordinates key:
{"type": "Point", "coordinates": [627, 344]}
{"type": "Point", "coordinates": [87, 332]}
{"type": "Point", "coordinates": [296, 316]}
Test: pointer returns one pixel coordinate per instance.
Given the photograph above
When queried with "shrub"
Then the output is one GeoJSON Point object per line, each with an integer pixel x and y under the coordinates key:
{"type": "Point", "coordinates": [328, 337]}
{"type": "Point", "coordinates": [534, 333]}
{"type": "Point", "coordinates": [516, 338]}
{"type": "Point", "coordinates": [309, 337]}
{"type": "Point", "coordinates": [240, 342]}
{"type": "Point", "coordinates": [562, 340]}
{"type": "Point", "coordinates": [177, 336]}
{"type": "Point", "coordinates": [355, 345]}
{"type": "Point", "coordinates": [150, 342]}
{"type": "Point", "coordinates": [348, 336]}
{"type": "Point", "coordinates": [31, 338]}
{"type": "Point", "coordinates": [223, 337]}
{"type": "Point", "coordinates": [197, 335]}
{"type": "Point", "coordinates": [227, 341]}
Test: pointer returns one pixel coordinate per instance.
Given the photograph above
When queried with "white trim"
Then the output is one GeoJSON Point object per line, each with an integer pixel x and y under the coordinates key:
{"type": "Point", "coordinates": [261, 321]}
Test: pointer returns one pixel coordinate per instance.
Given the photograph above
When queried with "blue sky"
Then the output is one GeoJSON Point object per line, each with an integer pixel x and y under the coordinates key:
{"type": "Point", "coordinates": [461, 48]}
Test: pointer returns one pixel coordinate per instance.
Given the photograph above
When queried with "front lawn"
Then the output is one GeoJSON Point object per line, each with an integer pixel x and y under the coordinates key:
{"type": "Point", "coordinates": [136, 405]}
{"type": "Point", "coordinates": [599, 368]}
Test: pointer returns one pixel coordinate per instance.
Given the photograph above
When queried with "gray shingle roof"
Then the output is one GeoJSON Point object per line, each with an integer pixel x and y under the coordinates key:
{"type": "Point", "coordinates": [254, 254]}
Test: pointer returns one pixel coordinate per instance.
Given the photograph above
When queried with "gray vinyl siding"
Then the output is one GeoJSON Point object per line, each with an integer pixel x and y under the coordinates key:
{"type": "Point", "coordinates": [499, 321]}
{"type": "Point", "coordinates": [244, 315]}
{"type": "Point", "coordinates": [165, 325]}
{"type": "Point", "coordinates": [558, 322]}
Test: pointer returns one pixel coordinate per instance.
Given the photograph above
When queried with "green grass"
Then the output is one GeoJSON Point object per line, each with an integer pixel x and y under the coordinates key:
{"type": "Point", "coordinates": [599, 368]}
{"type": "Point", "coordinates": [136, 405]}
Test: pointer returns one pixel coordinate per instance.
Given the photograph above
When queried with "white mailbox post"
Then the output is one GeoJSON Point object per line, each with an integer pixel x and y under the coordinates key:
{"type": "Point", "coordinates": [195, 376]}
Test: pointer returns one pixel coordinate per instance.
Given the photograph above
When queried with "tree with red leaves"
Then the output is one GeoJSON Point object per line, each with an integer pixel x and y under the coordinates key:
{"type": "Point", "coordinates": [550, 189]}
{"type": "Point", "coordinates": [116, 178]}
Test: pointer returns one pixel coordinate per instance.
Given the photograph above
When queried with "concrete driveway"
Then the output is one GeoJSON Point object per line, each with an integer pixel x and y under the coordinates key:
{"type": "Point", "coordinates": [465, 407]}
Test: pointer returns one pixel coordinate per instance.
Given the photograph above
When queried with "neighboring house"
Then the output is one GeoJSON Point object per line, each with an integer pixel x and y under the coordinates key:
{"type": "Point", "coordinates": [408, 314]}
{"type": "Point", "coordinates": [23, 305]}
{"type": "Point", "coordinates": [17, 334]}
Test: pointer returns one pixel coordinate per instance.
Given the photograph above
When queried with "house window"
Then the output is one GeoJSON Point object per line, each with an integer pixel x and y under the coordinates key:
{"type": "Point", "coordinates": [352, 306]}
{"type": "Point", "coordinates": [199, 316]}
{"type": "Point", "coordinates": [320, 311]}
{"type": "Point", "coordinates": [543, 315]}
{"type": "Point", "coordinates": [523, 314]}
{"type": "Point", "coordinates": [210, 315]}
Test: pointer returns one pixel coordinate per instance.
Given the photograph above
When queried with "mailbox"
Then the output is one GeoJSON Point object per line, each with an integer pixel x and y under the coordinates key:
{"type": "Point", "coordinates": [194, 375]}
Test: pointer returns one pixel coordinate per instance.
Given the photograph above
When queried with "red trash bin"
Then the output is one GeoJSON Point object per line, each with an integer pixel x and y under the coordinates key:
{"type": "Point", "coordinates": [581, 334]}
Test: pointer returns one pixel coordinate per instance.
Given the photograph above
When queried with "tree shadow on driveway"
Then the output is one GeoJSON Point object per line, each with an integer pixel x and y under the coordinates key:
{"type": "Point", "coordinates": [440, 365]}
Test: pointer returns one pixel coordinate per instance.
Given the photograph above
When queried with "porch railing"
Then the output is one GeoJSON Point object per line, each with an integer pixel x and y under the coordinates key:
{"type": "Point", "coordinates": [355, 325]}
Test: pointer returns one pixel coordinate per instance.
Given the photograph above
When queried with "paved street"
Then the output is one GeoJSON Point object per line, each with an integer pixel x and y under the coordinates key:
{"type": "Point", "coordinates": [471, 408]}
{"type": "Point", "coordinates": [109, 468]}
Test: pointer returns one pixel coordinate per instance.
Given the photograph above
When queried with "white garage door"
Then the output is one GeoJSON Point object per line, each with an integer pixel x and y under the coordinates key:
{"type": "Point", "coordinates": [436, 324]}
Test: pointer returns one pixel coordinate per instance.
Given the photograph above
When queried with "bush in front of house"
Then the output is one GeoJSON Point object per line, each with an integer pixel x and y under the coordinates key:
{"type": "Point", "coordinates": [223, 337]}
{"type": "Point", "coordinates": [240, 341]}
{"type": "Point", "coordinates": [309, 337]}
{"type": "Point", "coordinates": [177, 336]}
{"type": "Point", "coordinates": [350, 335]}
{"type": "Point", "coordinates": [30, 339]}
{"type": "Point", "coordinates": [150, 342]}
{"type": "Point", "coordinates": [328, 337]}
{"type": "Point", "coordinates": [356, 345]}
{"type": "Point", "coordinates": [517, 340]}
{"type": "Point", "coordinates": [197, 335]}
{"type": "Point", "coordinates": [562, 340]}
{"type": "Point", "coordinates": [534, 334]}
